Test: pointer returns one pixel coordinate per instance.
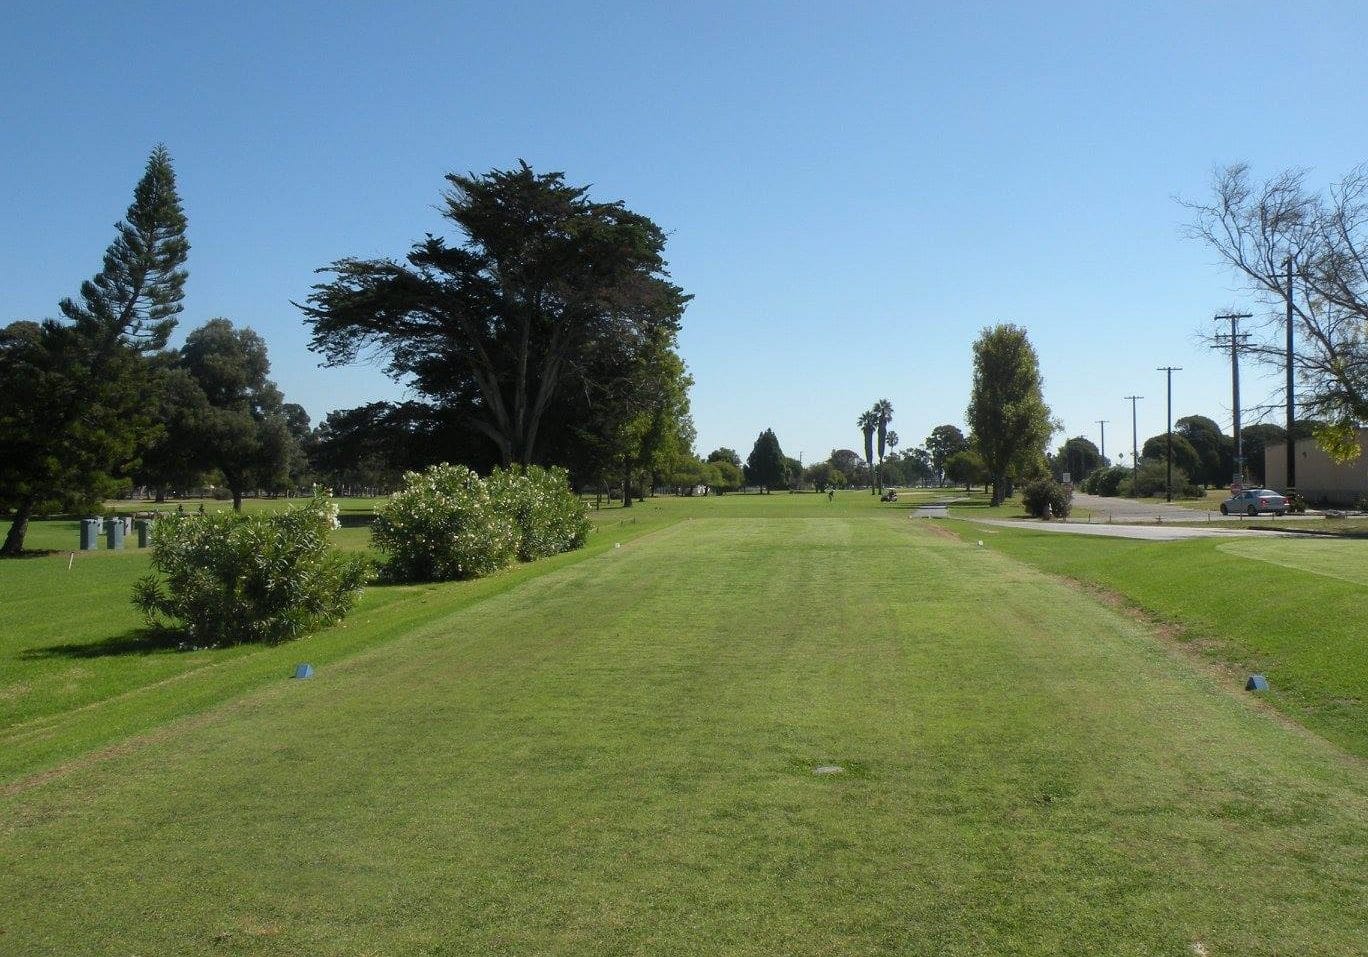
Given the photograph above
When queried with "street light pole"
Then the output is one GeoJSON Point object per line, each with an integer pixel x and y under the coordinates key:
{"type": "Point", "coordinates": [1103, 423]}
{"type": "Point", "coordinates": [1168, 475]}
{"type": "Point", "coordinates": [1135, 454]}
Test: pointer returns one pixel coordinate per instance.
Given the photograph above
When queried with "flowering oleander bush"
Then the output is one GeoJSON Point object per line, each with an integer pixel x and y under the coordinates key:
{"type": "Point", "coordinates": [228, 577]}
{"type": "Point", "coordinates": [550, 518]}
{"type": "Point", "coordinates": [449, 523]}
{"type": "Point", "coordinates": [442, 525]}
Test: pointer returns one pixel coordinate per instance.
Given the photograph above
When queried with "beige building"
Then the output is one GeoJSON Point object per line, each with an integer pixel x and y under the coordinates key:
{"type": "Point", "coordinates": [1319, 479]}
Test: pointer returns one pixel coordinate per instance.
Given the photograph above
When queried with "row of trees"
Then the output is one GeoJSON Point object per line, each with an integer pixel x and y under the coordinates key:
{"type": "Point", "coordinates": [81, 395]}
{"type": "Point", "coordinates": [95, 401]}
{"type": "Point", "coordinates": [1203, 456]}
{"type": "Point", "coordinates": [546, 332]}
{"type": "Point", "coordinates": [873, 422]}
{"type": "Point", "coordinates": [1009, 422]}
{"type": "Point", "coordinates": [222, 419]}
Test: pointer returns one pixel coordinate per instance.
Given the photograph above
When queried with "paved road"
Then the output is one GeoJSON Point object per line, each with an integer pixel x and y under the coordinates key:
{"type": "Point", "coordinates": [1129, 510]}
{"type": "Point", "coordinates": [1126, 518]}
{"type": "Point", "coordinates": [1152, 532]}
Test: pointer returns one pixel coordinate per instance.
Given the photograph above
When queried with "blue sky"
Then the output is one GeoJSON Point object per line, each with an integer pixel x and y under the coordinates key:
{"type": "Point", "coordinates": [852, 191]}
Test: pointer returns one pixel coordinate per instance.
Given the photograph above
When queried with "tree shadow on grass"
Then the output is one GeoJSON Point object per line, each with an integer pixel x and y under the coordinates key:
{"type": "Point", "coordinates": [138, 641]}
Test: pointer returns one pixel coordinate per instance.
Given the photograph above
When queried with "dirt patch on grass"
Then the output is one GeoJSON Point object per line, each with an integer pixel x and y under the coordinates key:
{"type": "Point", "coordinates": [940, 531]}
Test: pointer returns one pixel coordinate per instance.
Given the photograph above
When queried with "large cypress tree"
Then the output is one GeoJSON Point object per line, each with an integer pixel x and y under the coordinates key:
{"type": "Point", "coordinates": [84, 406]}
{"type": "Point", "coordinates": [508, 325]}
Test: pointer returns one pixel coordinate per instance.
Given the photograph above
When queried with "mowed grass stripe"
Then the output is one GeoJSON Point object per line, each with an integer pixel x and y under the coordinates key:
{"type": "Point", "coordinates": [617, 758]}
{"type": "Point", "coordinates": [72, 684]}
{"type": "Point", "coordinates": [1288, 608]}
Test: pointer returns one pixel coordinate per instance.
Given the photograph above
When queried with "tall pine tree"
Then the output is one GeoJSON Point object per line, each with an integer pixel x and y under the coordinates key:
{"type": "Point", "coordinates": [134, 300]}
{"type": "Point", "coordinates": [84, 409]}
{"type": "Point", "coordinates": [765, 466]}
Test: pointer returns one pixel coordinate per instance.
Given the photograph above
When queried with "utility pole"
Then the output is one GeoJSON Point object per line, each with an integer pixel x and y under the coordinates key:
{"type": "Point", "coordinates": [1235, 340]}
{"type": "Point", "coordinates": [1135, 454]}
{"type": "Point", "coordinates": [1168, 475]}
{"type": "Point", "coordinates": [1103, 423]}
{"type": "Point", "coordinates": [1291, 421]}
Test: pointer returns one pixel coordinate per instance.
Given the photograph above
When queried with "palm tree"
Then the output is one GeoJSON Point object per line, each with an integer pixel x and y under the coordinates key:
{"type": "Point", "coordinates": [883, 411]}
{"type": "Point", "coordinates": [892, 438]}
{"type": "Point", "coordinates": [868, 422]}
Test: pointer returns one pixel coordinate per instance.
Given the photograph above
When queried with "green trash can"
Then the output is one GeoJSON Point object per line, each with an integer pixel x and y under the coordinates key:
{"type": "Point", "coordinates": [114, 533]}
{"type": "Point", "coordinates": [90, 534]}
{"type": "Point", "coordinates": [144, 527]}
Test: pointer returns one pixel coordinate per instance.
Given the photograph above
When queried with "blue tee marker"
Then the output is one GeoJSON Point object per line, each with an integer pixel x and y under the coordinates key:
{"type": "Point", "coordinates": [1256, 683]}
{"type": "Point", "coordinates": [303, 671]}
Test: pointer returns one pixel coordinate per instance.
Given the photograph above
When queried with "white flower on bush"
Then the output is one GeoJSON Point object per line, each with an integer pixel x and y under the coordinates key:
{"type": "Point", "coordinates": [231, 577]}
{"type": "Point", "coordinates": [449, 523]}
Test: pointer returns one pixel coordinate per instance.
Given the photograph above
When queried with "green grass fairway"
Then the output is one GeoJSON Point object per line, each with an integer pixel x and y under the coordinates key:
{"type": "Point", "coordinates": [1343, 559]}
{"type": "Point", "coordinates": [1292, 608]}
{"type": "Point", "coordinates": [78, 670]}
{"type": "Point", "coordinates": [615, 756]}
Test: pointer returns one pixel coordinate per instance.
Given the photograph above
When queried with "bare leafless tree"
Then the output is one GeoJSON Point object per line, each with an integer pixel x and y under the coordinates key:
{"type": "Point", "coordinates": [1256, 228]}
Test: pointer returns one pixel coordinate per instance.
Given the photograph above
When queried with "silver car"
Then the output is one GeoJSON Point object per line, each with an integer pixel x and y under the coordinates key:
{"type": "Point", "coordinates": [1252, 501]}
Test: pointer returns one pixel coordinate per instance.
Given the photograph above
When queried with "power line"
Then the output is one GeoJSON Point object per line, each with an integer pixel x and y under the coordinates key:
{"type": "Point", "coordinates": [1135, 453]}
{"type": "Point", "coordinates": [1234, 340]}
{"type": "Point", "coordinates": [1168, 477]}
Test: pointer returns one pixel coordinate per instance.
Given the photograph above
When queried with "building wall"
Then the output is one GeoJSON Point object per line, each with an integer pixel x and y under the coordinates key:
{"type": "Point", "coordinates": [1319, 478]}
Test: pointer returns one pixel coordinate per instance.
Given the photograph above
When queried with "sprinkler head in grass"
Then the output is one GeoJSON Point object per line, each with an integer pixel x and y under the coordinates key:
{"type": "Point", "coordinates": [828, 769]}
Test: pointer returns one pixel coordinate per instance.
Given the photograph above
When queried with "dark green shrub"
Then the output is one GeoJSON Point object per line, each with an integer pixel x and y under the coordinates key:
{"type": "Point", "coordinates": [1153, 475]}
{"type": "Point", "coordinates": [234, 577]}
{"type": "Point", "coordinates": [443, 525]}
{"type": "Point", "coordinates": [1107, 481]}
{"type": "Point", "coordinates": [548, 516]}
{"type": "Point", "coordinates": [1046, 491]}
